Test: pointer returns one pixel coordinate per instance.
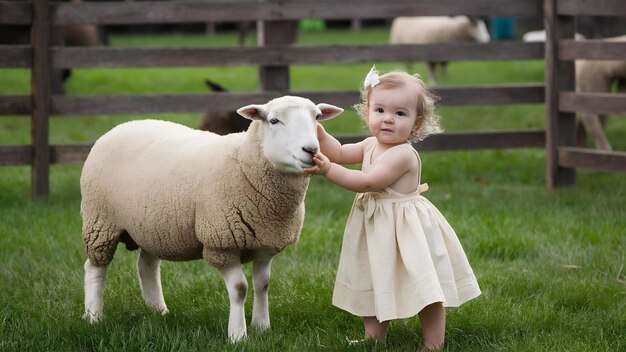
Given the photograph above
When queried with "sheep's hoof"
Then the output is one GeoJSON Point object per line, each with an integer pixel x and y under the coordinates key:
{"type": "Point", "coordinates": [260, 326]}
{"type": "Point", "coordinates": [237, 338]}
{"type": "Point", "coordinates": [92, 318]}
{"type": "Point", "coordinates": [165, 311]}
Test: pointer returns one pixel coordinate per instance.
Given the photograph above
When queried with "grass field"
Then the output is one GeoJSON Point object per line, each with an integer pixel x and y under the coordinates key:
{"type": "Point", "coordinates": [550, 265]}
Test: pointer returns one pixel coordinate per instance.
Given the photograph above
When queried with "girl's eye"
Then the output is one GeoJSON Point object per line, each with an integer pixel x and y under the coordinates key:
{"type": "Point", "coordinates": [380, 110]}
{"type": "Point", "coordinates": [400, 113]}
{"type": "Point", "coordinates": [274, 121]}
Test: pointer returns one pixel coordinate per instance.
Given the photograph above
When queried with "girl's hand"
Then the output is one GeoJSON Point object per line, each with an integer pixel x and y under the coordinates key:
{"type": "Point", "coordinates": [322, 165]}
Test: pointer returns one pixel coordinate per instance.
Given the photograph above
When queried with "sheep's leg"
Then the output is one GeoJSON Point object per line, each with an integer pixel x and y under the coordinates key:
{"type": "Point", "coordinates": [592, 125]}
{"type": "Point", "coordinates": [432, 72]}
{"type": "Point", "coordinates": [581, 133]}
{"type": "Point", "coordinates": [237, 287]}
{"type": "Point", "coordinates": [261, 282]}
{"type": "Point", "coordinates": [148, 267]}
{"type": "Point", "coordinates": [94, 286]}
{"type": "Point", "coordinates": [444, 70]}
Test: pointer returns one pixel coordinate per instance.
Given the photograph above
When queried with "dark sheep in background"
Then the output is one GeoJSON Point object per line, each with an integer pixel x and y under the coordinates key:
{"type": "Point", "coordinates": [222, 122]}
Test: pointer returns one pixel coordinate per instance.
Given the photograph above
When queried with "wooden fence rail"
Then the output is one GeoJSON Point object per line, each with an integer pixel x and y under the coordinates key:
{"type": "Point", "coordinates": [275, 53]}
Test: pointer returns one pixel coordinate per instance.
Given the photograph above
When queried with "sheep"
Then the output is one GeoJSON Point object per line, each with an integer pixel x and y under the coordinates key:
{"type": "Point", "coordinates": [222, 122]}
{"type": "Point", "coordinates": [540, 36]}
{"type": "Point", "coordinates": [79, 35]}
{"type": "Point", "coordinates": [82, 35]}
{"type": "Point", "coordinates": [591, 76]}
{"type": "Point", "coordinates": [437, 29]}
{"type": "Point", "coordinates": [598, 76]}
{"type": "Point", "coordinates": [72, 35]}
{"type": "Point", "coordinates": [181, 194]}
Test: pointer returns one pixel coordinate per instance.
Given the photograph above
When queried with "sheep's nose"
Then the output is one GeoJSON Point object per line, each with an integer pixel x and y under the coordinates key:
{"type": "Point", "coordinates": [310, 150]}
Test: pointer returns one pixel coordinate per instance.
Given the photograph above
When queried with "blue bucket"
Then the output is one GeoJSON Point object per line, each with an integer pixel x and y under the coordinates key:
{"type": "Point", "coordinates": [502, 27]}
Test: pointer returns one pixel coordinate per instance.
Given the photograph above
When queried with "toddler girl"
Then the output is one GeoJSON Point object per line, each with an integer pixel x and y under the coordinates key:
{"type": "Point", "coordinates": [399, 257]}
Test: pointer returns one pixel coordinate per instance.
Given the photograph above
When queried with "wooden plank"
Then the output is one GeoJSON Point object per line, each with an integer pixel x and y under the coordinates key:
{"type": "Point", "coordinates": [597, 103]}
{"type": "Point", "coordinates": [524, 93]}
{"type": "Point", "coordinates": [484, 140]}
{"type": "Point", "coordinates": [40, 88]}
{"type": "Point", "coordinates": [161, 103]}
{"type": "Point", "coordinates": [16, 155]}
{"type": "Point", "coordinates": [15, 105]}
{"type": "Point", "coordinates": [559, 76]}
{"type": "Point", "coordinates": [591, 50]}
{"type": "Point", "coordinates": [68, 57]}
{"type": "Point", "coordinates": [15, 12]}
{"type": "Point", "coordinates": [61, 153]}
{"type": "Point", "coordinates": [591, 7]}
{"type": "Point", "coordinates": [592, 159]}
{"type": "Point", "coordinates": [528, 138]}
{"type": "Point", "coordinates": [149, 12]}
{"type": "Point", "coordinates": [275, 76]}
{"type": "Point", "coordinates": [15, 56]}
{"type": "Point", "coordinates": [141, 104]}
{"type": "Point", "coordinates": [69, 153]}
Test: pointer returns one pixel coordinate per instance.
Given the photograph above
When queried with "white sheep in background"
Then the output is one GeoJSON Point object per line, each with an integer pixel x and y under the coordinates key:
{"type": "Point", "coordinates": [183, 194]}
{"type": "Point", "coordinates": [437, 29]}
{"type": "Point", "coordinates": [598, 76]}
{"type": "Point", "coordinates": [540, 36]}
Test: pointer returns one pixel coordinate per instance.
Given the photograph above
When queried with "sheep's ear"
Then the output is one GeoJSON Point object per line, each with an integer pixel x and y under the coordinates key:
{"type": "Point", "coordinates": [253, 112]}
{"type": "Point", "coordinates": [474, 20]}
{"type": "Point", "coordinates": [328, 111]}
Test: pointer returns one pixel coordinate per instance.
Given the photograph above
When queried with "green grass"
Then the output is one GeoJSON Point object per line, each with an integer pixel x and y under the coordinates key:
{"type": "Point", "coordinates": [551, 265]}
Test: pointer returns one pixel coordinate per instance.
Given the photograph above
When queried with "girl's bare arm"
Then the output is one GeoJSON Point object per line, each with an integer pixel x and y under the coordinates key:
{"type": "Point", "coordinates": [350, 153]}
{"type": "Point", "coordinates": [385, 173]}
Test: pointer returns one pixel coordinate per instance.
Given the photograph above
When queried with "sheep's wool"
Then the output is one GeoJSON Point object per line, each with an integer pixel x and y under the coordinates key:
{"type": "Point", "coordinates": [183, 194]}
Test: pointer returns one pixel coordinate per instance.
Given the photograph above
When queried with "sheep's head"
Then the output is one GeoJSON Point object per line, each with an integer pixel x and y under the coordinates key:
{"type": "Point", "coordinates": [479, 31]}
{"type": "Point", "coordinates": [288, 126]}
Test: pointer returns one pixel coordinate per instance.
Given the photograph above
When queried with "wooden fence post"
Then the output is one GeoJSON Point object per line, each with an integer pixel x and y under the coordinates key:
{"type": "Point", "coordinates": [559, 77]}
{"type": "Point", "coordinates": [40, 93]}
{"type": "Point", "coordinates": [270, 33]}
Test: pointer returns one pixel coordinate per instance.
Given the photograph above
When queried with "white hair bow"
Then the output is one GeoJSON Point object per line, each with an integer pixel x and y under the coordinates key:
{"type": "Point", "coordinates": [371, 80]}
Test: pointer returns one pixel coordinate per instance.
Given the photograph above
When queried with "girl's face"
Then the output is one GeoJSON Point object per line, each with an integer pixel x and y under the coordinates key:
{"type": "Point", "coordinates": [392, 114]}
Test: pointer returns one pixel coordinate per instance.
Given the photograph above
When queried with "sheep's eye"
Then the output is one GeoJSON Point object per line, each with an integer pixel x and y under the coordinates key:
{"type": "Point", "coordinates": [274, 121]}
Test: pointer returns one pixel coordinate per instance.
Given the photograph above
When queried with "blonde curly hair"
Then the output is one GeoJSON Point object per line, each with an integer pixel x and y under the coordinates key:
{"type": "Point", "coordinates": [427, 122]}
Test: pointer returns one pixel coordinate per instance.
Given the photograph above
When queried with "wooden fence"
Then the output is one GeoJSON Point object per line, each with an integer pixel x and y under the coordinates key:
{"type": "Point", "coordinates": [274, 54]}
{"type": "Point", "coordinates": [562, 102]}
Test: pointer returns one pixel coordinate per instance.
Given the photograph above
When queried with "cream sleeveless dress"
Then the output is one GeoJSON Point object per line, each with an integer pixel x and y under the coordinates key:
{"type": "Point", "coordinates": [399, 254]}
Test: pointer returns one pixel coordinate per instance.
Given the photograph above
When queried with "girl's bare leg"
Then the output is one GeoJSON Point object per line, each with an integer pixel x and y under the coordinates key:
{"type": "Point", "coordinates": [433, 320]}
{"type": "Point", "coordinates": [375, 330]}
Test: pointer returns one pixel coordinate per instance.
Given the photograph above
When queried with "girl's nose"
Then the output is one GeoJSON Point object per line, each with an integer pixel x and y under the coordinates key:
{"type": "Point", "coordinates": [388, 118]}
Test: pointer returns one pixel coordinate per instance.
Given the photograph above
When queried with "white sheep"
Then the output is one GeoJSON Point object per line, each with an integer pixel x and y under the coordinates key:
{"type": "Point", "coordinates": [598, 76]}
{"type": "Point", "coordinates": [540, 36]}
{"type": "Point", "coordinates": [183, 194]}
{"type": "Point", "coordinates": [437, 29]}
